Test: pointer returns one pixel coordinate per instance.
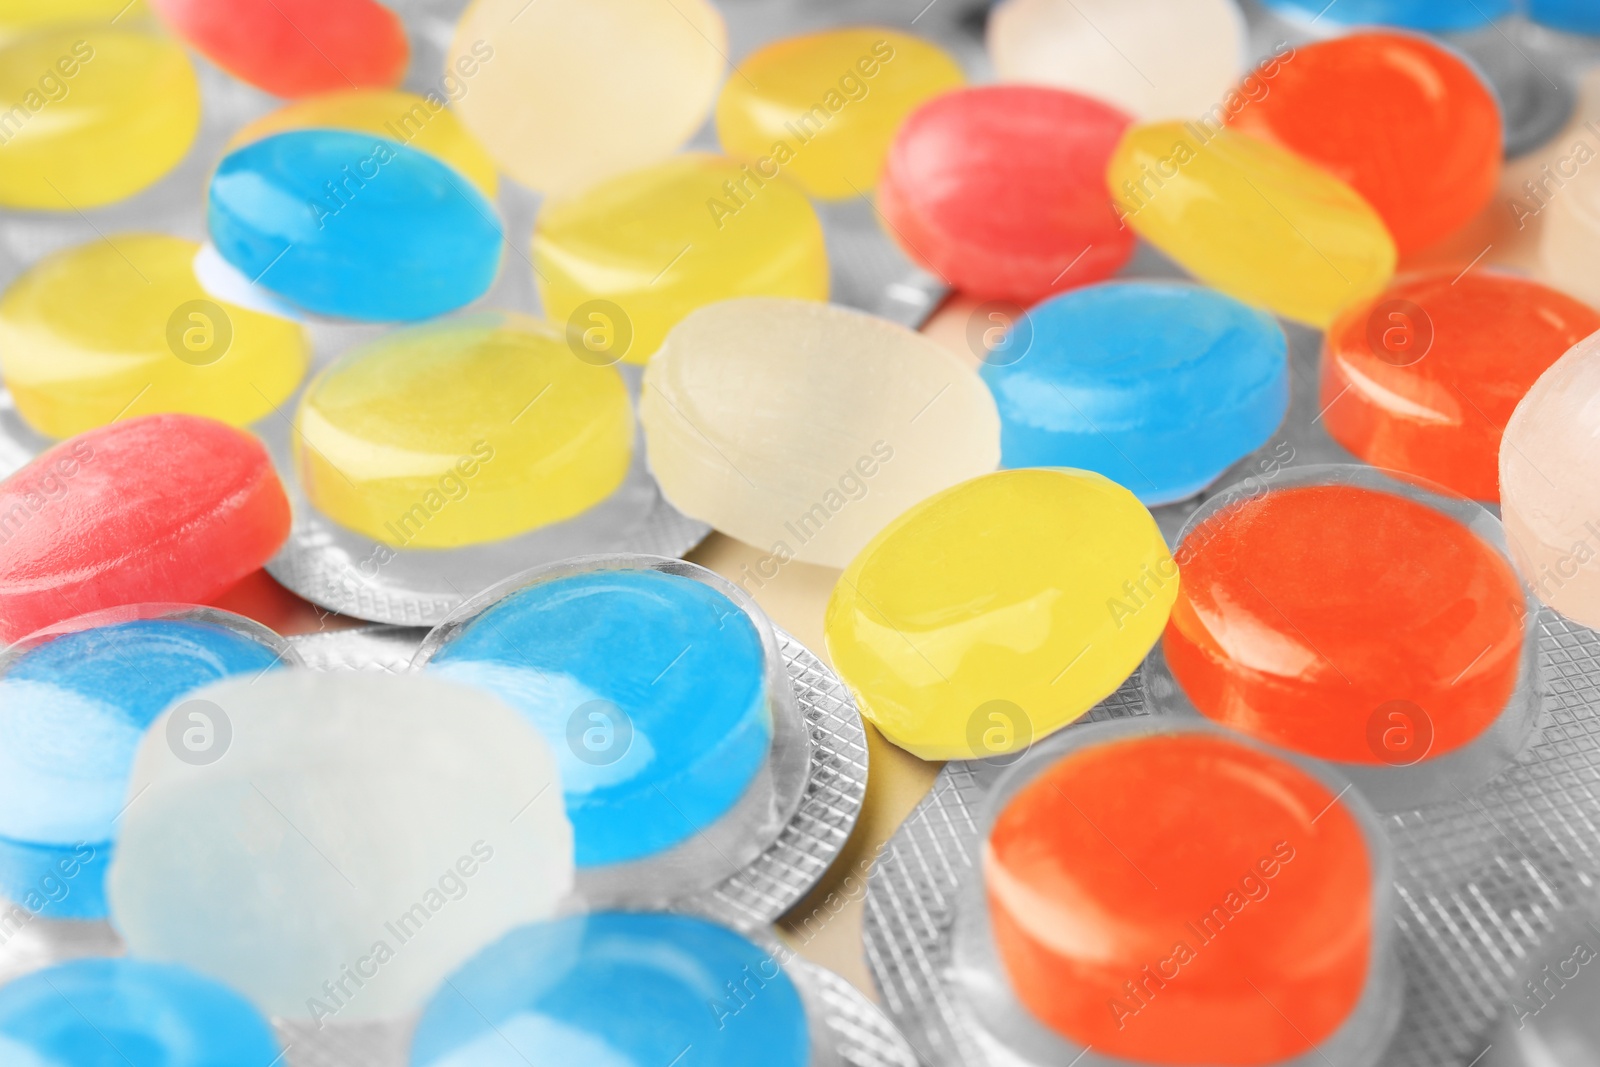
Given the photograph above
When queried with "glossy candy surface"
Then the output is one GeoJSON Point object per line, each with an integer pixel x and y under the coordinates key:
{"type": "Point", "coordinates": [1228, 885]}
{"type": "Point", "coordinates": [354, 225]}
{"type": "Point", "coordinates": [74, 704]}
{"type": "Point", "coordinates": [1337, 103]}
{"type": "Point", "coordinates": [422, 122]}
{"type": "Point", "coordinates": [1423, 378]}
{"type": "Point", "coordinates": [671, 667]}
{"type": "Point", "coordinates": [94, 115]}
{"type": "Point", "coordinates": [460, 432]}
{"type": "Point", "coordinates": [621, 263]}
{"type": "Point", "coordinates": [1000, 610]}
{"type": "Point", "coordinates": [1309, 610]}
{"type": "Point", "coordinates": [355, 823]}
{"type": "Point", "coordinates": [122, 327]}
{"type": "Point", "coordinates": [620, 990]}
{"type": "Point", "coordinates": [296, 47]}
{"type": "Point", "coordinates": [161, 508]}
{"type": "Point", "coordinates": [1102, 47]}
{"type": "Point", "coordinates": [803, 429]}
{"type": "Point", "coordinates": [1550, 484]}
{"type": "Point", "coordinates": [1251, 219]}
{"type": "Point", "coordinates": [1159, 387]}
{"type": "Point", "coordinates": [565, 93]}
{"type": "Point", "coordinates": [1000, 190]}
{"type": "Point", "coordinates": [822, 108]}
{"type": "Point", "coordinates": [1433, 15]}
{"type": "Point", "coordinates": [131, 1013]}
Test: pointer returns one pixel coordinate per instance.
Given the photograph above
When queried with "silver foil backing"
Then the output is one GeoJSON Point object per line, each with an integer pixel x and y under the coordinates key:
{"type": "Point", "coordinates": [1481, 880]}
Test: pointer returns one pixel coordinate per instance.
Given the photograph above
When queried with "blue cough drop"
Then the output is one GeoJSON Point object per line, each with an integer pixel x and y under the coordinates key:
{"type": "Point", "coordinates": [354, 226]}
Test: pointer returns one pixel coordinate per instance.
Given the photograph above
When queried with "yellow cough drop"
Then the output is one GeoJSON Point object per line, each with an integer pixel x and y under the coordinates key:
{"type": "Point", "coordinates": [830, 103]}
{"type": "Point", "coordinates": [1000, 610]}
{"type": "Point", "coordinates": [121, 327]}
{"type": "Point", "coordinates": [462, 431]}
{"type": "Point", "coordinates": [1251, 219]}
{"type": "Point", "coordinates": [640, 252]}
{"type": "Point", "coordinates": [90, 115]}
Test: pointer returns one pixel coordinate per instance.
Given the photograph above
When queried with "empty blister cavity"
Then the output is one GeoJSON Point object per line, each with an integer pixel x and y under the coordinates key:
{"type": "Point", "coordinates": [1357, 619]}
{"type": "Point", "coordinates": [660, 688]}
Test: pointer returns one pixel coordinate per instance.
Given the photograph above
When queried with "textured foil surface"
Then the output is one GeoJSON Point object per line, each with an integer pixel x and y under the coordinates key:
{"type": "Point", "coordinates": [1482, 880]}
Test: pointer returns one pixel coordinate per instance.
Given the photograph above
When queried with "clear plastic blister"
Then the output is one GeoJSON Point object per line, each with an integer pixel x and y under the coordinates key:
{"type": "Point", "coordinates": [1480, 880]}
{"type": "Point", "coordinates": [763, 853]}
{"type": "Point", "coordinates": [1406, 774]}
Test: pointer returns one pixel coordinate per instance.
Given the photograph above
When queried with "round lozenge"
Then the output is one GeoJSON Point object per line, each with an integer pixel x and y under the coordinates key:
{"type": "Point", "coordinates": [1251, 219]}
{"type": "Point", "coordinates": [623, 262]}
{"type": "Point", "coordinates": [122, 326]}
{"type": "Point", "coordinates": [804, 428]}
{"type": "Point", "coordinates": [1000, 610]}
{"type": "Point", "coordinates": [1310, 612]}
{"type": "Point", "coordinates": [1160, 387]}
{"type": "Point", "coordinates": [566, 93]}
{"type": "Point", "coordinates": [823, 107]}
{"type": "Point", "coordinates": [650, 687]}
{"type": "Point", "coordinates": [1424, 377]}
{"type": "Point", "coordinates": [94, 114]}
{"type": "Point", "coordinates": [461, 432]}
{"type": "Point", "coordinates": [619, 989]}
{"type": "Point", "coordinates": [1102, 48]}
{"type": "Point", "coordinates": [1182, 898]}
{"type": "Point", "coordinates": [1000, 190]}
{"type": "Point", "coordinates": [1338, 103]}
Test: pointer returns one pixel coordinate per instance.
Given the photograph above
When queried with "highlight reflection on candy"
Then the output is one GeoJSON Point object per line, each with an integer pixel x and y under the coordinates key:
{"type": "Point", "coordinates": [1000, 190]}
{"type": "Point", "coordinates": [296, 47]}
{"type": "Point", "coordinates": [668, 668]}
{"type": "Point", "coordinates": [1251, 219]}
{"type": "Point", "coordinates": [1309, 611]}
{"type": "Point", "coordinates": [564, 93]}
{"type": "Point", "coordinates": [74, 702]}
{"type": "Point", "coordinates": [160, 508]}
{"type": "Point", "coordinates": [803, 428]}
{"type": "Point", "coordinates": [342, 831]}
{"type": "Point", "coordinates": [460, 432]}
{"type": "Point", "coordinates": [623, 262]}
{"type": "Point", "coordinates": [122, 326]}
{"type": "Point", "coordinates": [1159, 387]}
{"type": "Point", "coordinates": [94, 114]}
{"type": "Point", "coordinates": [1338, 104]}
{"type": "Point", "coordinates": [1423, 378]}
{"type": "Point", "coordinates": [1000, 610]}
{"type": "Point", "coordinates": [832, 100]}
{"type": "Point", "coordinates": [354, 225]}
{"type": "Point", "coordinates": [1102, 47]}
{"type": "Point", "coordinates": [1240, 878]}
